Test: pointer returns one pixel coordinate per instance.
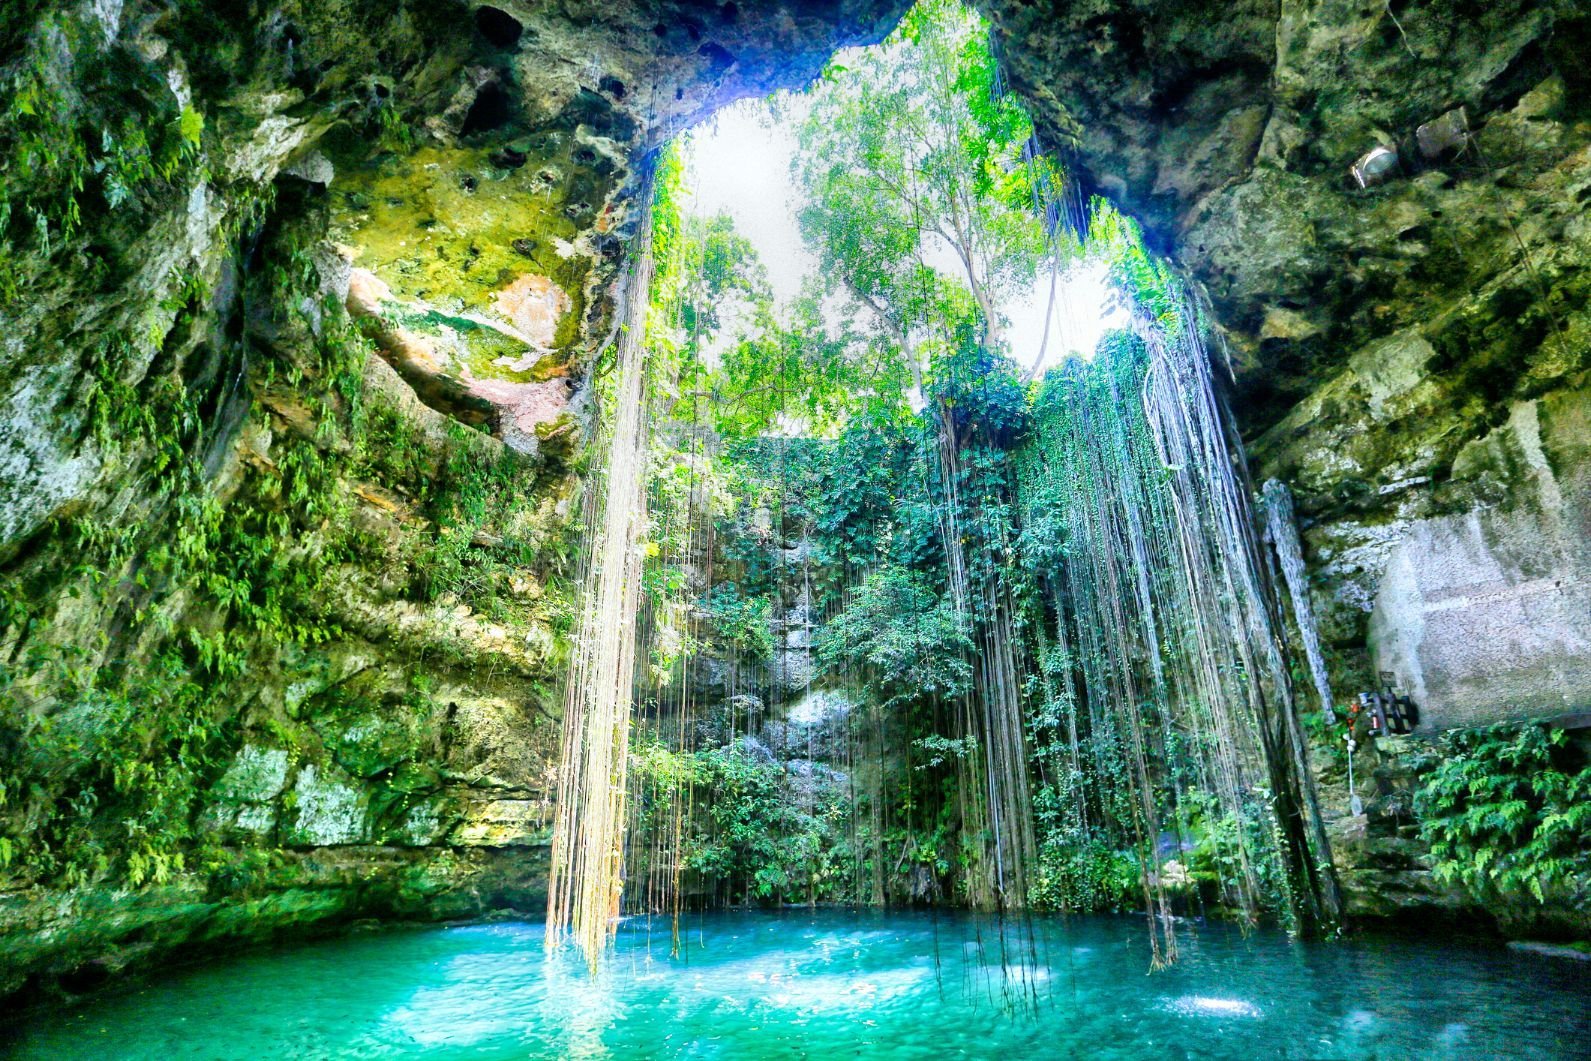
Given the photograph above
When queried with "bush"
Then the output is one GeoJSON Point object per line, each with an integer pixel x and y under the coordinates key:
{"type": "Point", "coordinates": [764, 840]}
{"type": "Point", "coordinates": [1508, 814]}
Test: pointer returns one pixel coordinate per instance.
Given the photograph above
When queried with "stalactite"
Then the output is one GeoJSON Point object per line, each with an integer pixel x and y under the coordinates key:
{"type": "Point", "coordinates": [1282, 530]}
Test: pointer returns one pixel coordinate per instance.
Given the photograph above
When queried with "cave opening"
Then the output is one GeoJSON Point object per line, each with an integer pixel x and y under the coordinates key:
{"type": "Point", "coordinates": [492, 109]}
{"type": "Point", "coordinates": [934, 449]}
{"type": "Point", "coordinates": [498, 26]}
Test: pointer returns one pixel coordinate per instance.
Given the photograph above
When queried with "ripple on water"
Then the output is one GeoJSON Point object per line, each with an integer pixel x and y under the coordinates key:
{"type": "Point", "coordinates": [1204, 1006]}
{"type": "Point", "coordinates": [835, 984]}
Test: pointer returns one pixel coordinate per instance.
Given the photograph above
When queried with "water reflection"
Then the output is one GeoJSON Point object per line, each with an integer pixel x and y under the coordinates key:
{"type": "Point", "coordinates": [833, 983]}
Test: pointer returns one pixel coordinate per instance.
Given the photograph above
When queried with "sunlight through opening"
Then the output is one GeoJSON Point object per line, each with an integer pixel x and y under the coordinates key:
{"type": "Point", "coordinates": [739, 163]}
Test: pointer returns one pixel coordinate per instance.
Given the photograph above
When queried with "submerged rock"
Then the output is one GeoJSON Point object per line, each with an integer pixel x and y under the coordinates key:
{"type": "Point", "coordinates": [1551, 950]}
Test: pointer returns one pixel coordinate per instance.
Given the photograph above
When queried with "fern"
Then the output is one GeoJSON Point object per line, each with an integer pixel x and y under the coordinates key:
{"type": "Point", "coordinates": [1506, 815]}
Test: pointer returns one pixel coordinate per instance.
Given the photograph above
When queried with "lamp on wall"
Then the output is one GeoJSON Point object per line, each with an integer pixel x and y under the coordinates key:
{"type": "Point", "coordinates": [1375, 166]}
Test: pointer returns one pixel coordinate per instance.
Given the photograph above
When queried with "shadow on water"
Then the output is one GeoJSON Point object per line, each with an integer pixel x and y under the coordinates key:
{"type": "Point", "coordinates": [835, 983]}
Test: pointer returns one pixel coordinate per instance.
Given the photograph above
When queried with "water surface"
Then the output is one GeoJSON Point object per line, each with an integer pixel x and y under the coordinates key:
{"type": "Point", "coordinates": [840, 984]}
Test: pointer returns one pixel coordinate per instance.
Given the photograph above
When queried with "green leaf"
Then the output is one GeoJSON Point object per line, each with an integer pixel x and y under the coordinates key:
{"type": "Point", "coordinates": [190, 125]}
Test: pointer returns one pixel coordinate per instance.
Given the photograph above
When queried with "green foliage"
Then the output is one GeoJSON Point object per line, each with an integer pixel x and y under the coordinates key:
{"type": "Point", "coordinates": [807, 367]}
{"type": "Point", "coordinates": [907, 154]}
{"type": "Point", "coordinates": [863, 500]}
{"type": "Point", "coordinates": [991, 562]}
{"type": "Point", "coordinates": [1086, 864]}
{"type": "Point", "coordinates": [392, 131]}
{"type": "Point", "coordinates": [476, 486]}
{"type": "Point", "coordinates": [938, 750]}
{"type": "Point", "coordinates": [1147, 280]}
{"type": "Point", "coordinates": [764, 840]}
{"type": "Point", "coordinates": [904, 636]}
{"type": "Point", "coordinates": [910, 151]}
{"type": "Point", "coordinates": [743, 625]}
{"type": "Point", "coordinates": [79, 153]}
{"type": "Point", "coordinates": [775, 367]}
{"type": "Point", "coordinates": [190, 126]}
{"type": "Point", "coordinates": [978, 391]}
{"type": "Point", "coordinates": [139, 745]}
{"type": "Point", "coordinates": [200, 585]}
{"type": "Point", "coordinates": [1507, 813]}
{"type": "Point", "coordinates": [749, 830]}
{"type": "Point", "coordinates": [1089, 876]}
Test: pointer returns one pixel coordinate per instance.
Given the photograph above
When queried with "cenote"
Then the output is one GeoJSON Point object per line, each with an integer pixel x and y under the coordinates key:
{"type": "Point", "coordinates": [859, 983]}
{"type": "Point", "coordinates": [795, 528]}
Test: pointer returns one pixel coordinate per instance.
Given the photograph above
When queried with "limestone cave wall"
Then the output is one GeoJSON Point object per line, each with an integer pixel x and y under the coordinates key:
{"type": "Point", "coordinates": [1409, 353]}
{"type": "Point", "coordinates": [1404, 354]}
{"type": "Point", "coordinates": [300, 304]}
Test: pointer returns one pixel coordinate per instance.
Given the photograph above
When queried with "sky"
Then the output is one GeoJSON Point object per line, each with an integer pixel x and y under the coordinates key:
{"type": "Point", "coordinates": [739, 163]}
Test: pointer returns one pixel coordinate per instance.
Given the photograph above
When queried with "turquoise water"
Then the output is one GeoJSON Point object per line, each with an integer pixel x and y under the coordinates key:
{"type": "Point", "coordinates": [841, 984]}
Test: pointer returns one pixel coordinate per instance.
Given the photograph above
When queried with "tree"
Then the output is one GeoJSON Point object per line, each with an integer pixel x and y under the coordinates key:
{"type": "Point", "coordinates": [903, 636]}
{"type": "Point", "coordinates": [921, 208]}
{"type": "Point", "coordinates": [914, 170]}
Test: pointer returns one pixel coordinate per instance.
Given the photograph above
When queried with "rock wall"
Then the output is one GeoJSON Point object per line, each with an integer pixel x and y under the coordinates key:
{"type": "Point", "coordinates": [1409, 354]}
{"type": "Point", "coordinates": [1485, 616]}
{"type": "Point", "coordinates": [1378, 336]}
{"type": "Point", "coordinates": [299, 305]}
